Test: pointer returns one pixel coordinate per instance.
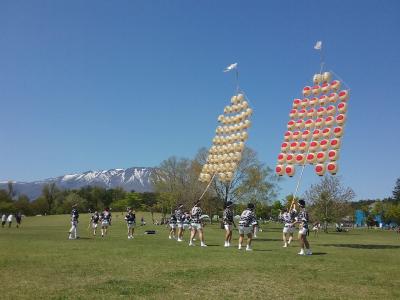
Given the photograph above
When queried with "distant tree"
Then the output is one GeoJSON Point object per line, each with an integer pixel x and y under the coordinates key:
{"type": "Point", "coordinates": [11, 192]}
{"type": "Point", "coordinates": [393, 213]}
{"type": "Point", "coordinates": [329, 200]}
{"type": "Point", "coordinates": [49, 194]}
{"type": "Point", "coordinates": [74, 198]}
{"type": "Point", "coordinates": [396, 191]}
{"type": "Point", "coordinates": [39, 206]}
{"type": "Point", "coordinates": [23, 205]}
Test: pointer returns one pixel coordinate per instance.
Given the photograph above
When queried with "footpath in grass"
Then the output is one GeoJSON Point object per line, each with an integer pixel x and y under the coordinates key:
{"type": "Point", "coordinates": [37, 261]}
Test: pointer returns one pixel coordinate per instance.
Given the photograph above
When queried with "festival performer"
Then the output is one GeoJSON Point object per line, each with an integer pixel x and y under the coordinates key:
{"type": "Point", "coordinates": [73, 232]}
{"type": "Point", "coordinates": [302, 219]}
{"type": "Point", "coordinates": [9, 220]}
{"type": "Point", "coordinates": [179, 221]}
{"type": "Point", "coordinates": [228, 223]}
{"type": "Point", "coordinates": [130, 219]}
{"type": "Point", "coordinates": [246, 223]}
{"type": "Point", "coordinates": [196, 224]}
{"type": "Point", "coordinates": [3, 220]}
{"type": "Point", "coordinates": [288, 229]}
{"type": "Point", "coordinates": [172, 226]}
{"type": "Point", "coordinates": [105, 219]}
{"type": "Point", "coordinates": [18, 218]}
{"type": "Point", "coordinates": [94, 221]}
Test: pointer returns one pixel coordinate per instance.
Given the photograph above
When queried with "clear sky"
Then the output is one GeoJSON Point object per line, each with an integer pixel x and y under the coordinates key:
{"type": "Point", "coordinates": [90, 85]}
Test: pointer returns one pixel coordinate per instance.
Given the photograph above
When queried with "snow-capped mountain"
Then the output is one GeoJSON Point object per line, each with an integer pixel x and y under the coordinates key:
{"type": "Point", "coordinates": [137, 179]}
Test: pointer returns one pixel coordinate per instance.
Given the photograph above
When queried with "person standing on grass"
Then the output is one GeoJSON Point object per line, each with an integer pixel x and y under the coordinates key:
{"type": "Point", "coordinates": [73, 232]}
{"type": "Point", "coordinates": [179, 221]}
{"type": "Point", "coordinates": [94, 221]}
{"type": "Point", "coordinates": [172, 226]}
{"type": "Point", "coordinates": [186, 220]}
{"type": "Point", "coordinates": [228, 223]}
{"type": "Point", "coordinates": [9, 220]}
{"type": "Point", "coordinates": [3, 220]}
{"type": "Point", "coordinates": [196, 224]}
{"type": "Point", "coordinates": [130, 219]}
{"type": "Point", "coordinates": [18, 218]}
{"type": "Point", "coordinates": [246, 223]}
{"type": "Point", "coordinates": [288, 228]}
{"type": "Point", "coordinates": [302, 219]}
{"type": "Point", "coordinates": [105, 219]}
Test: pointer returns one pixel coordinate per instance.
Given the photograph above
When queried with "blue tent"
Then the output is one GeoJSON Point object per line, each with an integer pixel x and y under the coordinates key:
{"type": "Point", "coordinates": [359, 218]}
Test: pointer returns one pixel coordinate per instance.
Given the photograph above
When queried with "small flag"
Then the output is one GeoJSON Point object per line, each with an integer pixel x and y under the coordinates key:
{"type": "Point", "coordinates": [231, 67]}
{"type": "Point", "coordinates": [318, 45]}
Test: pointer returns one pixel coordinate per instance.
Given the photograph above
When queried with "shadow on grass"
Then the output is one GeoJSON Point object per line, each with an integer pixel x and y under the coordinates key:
{"type": "Point", "coordinates": [267, 240]}
{"type": "Point", "coordinates": [318, 253]}
{"type": "Point", "coordinates": [362, 246]}
{"type": "Point", "coordinates": [261, 250]}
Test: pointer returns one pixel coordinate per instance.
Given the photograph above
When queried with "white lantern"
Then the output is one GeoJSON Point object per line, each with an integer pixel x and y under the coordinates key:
{"type": "Point", "coordinates": [324, 144]}
{"type": "Point", "coordinates": [280, 170]}
{"type": "Point", "coordinates": [326, 132]}
{"type": "Point", "coordinates": [323, 100]}
{"type": "Point", "coordinates": [331, 110]}
{"type": "Point", "coordinates": [311, 113]}
{"type": "Point", "coordinates": [245, 104]}
{"type": "Point", "coordinates": [329, 121]}
{"type": "Point", "coordinates": [306, 134]}
{"type": "Point", "coordinates": [289, 170]}
{"type": "Point", "coordinates": [234, 100]}
{"type": "Point", "coordinates": [296, 103]}
{"type": "Point", "coordinates": [247, 123]}
{"type": "Point", "coordinates": [317, 78]}
{"type": "Point", "coordinates": [333, 97]}
{"type": "Point", "coordinates": [249, 112]}
{"type": "Point", "coordinates": [290, 158]}
{"type": "Point", "coordinates": [335, 85]}
{"type": "Point", "coordinates": [294, 146]}
{"type": "Point", "coordinates": [296, 135]}
{"type": "Point", "coordinates": [333, 155]}
{"type": "Point", "coordinates": [325, 87]}
{"type": "Point", "coordinates": [285, 147]}
{"type": "Point", "coordinates": [244, 135]}
{"type": "Point", "coordinates": [240, 97]}
{"type": "Point", "coordinates": [344, 95]}
{"type": "Point", "coordinates": [221, 176]}
{"type": "Point", "coordinates": [321, 111]}
{"type": "Point", "coordinates": [332, 168]}
{"type": "Point", "coordinates": [311, 158]}
{"type": "Point", "coordinates": [317, 134]}
{"type": "Point", "coordinates": [300, 158]}
{"type": "Point", "coordinates": [309, 123]}
{"type": "Point", "coordinates": [320, 122]}
{"type": "Point", "coordinates": [320, 169]}
{"type": "Point", "coordinates": [341, 119]}
{"type": "Point", "coordinates": [282, 158]}
{"type": "Point", "coordinates": [303, 146]}
{"type": "Point", "coordinates": [313, 146]}
{"type": "Point", "coordinates": [313, 101]}
{"type": "Point", "coordinates": [338, 131]}
{"type": "Point", "coordinates": [316, 89]}
{"type": "Point", "coordinates": [221, 118]}
{"type": "Point", "coordinates": [335, 143]}
{"type": "Point", "coordinates": [307, 91]}
{"type": "Point", "coordinates": [326, 76]}
{"type": "Point", "coordinates": [342, 107]}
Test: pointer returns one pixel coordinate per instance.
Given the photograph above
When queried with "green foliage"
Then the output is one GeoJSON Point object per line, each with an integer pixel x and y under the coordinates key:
{"type": "Point", "coordinates": [396, 191]}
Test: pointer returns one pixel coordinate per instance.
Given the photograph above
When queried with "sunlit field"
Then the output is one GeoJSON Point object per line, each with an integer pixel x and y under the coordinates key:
{"type": "Point", "coordinates": [37, 261]}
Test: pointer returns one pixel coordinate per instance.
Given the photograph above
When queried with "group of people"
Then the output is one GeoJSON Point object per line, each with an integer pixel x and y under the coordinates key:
{"type": "Point", "coordinates": [9, 219]}
{"type": "Point", "coordinates": [182, 220]}
{"type": "Point", "coordinates": [290, 217]}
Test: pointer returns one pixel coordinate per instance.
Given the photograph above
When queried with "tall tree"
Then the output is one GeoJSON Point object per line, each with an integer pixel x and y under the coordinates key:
{"type": "Point", "coordinates": [49, 194]}
{"type": "Point", "coordinates": [329, 200]}
{"type": "Point", "coordinates": [396, 191]}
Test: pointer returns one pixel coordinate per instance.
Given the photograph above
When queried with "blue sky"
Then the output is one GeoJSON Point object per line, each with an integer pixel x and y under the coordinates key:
{"type": "Point", "coordinates": [89, 85]}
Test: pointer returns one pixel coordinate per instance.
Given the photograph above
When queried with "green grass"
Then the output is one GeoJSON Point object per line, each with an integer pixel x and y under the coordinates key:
{"type": "Point", "coordinates": [38, 262]}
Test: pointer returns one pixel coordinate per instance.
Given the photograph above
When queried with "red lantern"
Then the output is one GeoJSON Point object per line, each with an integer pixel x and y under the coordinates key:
{"type": "Point", "coordinates": [291, 124]}
{"type": "Point", "coordinates": [321, 156]}
{"type": "Point", "coordinates": [311, 157]}
{"type": "Point", "coordinates": [294, 146]}
{"type": "Point", "coordinates": [300, 124]}
{"type": "Point", "coordinates": [309, 123]}
{"type": "Point", "coordinates": [320, 169]}
{"type": "Point", "coordinates": [293, 113]}
{"type": "Point", "coordinates": [314, 146]}
{"type": "Point", "coordinates": [333, 97]}
{"type": "Point", "coordinates": [326, 132]}
{"type": "Point", "coordinates": [325, 87]}
{"type": "Point", "coordinates": [329, 121]}
{"type": "Point", "coordinates": [317, 134]}
{"type": "Point", "coordinates": [303, 146]}
{"type": "Point", "coordinates": [306, 134]}
{"type": "Point", "coordinates": [324, 144]}
{"type": "Point", "coordinates": [332, 168]}
{"type": "Point", "coordinates": [296, 135]}
{"type": "Point", "coordinates": [288, 135]}
{"type": "Point", "coordinates": [335, 85]}
{"type": "Point", "coordinates": [321, 111]}
{"type": "Point", "coordinates": [316, 89]}
{"type": "Point", "coordinates": [301, 113]}
{"type": "Point", "coordinates": [296, 103]}
{"type": "Point", "coordinates": [300, 158]}
{"type": "Point", "coordinates": [331, 110]}
{"type": "Point", "coordinates": [304, 102]}
{"type": "Point", "coordinates": [311, 113]}
{"type": "Point", "coordinates": [320, 122]}
{"type": "Point", "coordinates": [313, 101]}
{"type": "Point", "coordinates": [323, 100]}
{"type": "Point", "coordinates": [285, 147]}
{"type": "Point", "coordinates": [290, 158]}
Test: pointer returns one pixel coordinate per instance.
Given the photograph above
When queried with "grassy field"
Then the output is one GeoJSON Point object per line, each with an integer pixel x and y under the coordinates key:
{"type": "Point", "coordinates": [37, 261]}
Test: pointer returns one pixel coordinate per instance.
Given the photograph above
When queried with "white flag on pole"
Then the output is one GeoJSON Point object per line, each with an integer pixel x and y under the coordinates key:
{"type": "Point", "coordinates": [318, 45]}
{"type": "Point", "coordinates": [230, 67]}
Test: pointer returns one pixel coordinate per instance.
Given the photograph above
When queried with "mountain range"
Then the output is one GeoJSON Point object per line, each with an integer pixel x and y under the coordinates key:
{"type": "Point", "coordinates": [135, 178]}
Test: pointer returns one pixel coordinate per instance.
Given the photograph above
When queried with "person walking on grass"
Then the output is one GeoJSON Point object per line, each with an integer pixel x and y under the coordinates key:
{"type": "Point", "coordinates": [73, 232]}
{"type": "Point", "coordinates": [228, 223]}
{"type": "Point", "coordinates": [196, 224]}
{"type": "Point", "coordinates": [179, 221]}
{"type": "Point", "coordinates": [302, 219]}
{"type": "Point", "coordinates": [105, 219]}
{"type": "Point", "coordinates": [9, 220]}
{"type": "Point", "coordinates": [186, 220]}
{"type": "Point", "coordinates": [246, 223]}
{"type": "Point", "coordinates": [130, 219]}
{"type": "Point", "coordinates": [288, 228]}
{"type": "Point", "coordinates": [172, 227]}
{"type": "Point", "coordinates": [3, 220]}
{"type": "Point", "coordinates": [94, 222]}
{"type": "Point", "coordinates": [18, 218]}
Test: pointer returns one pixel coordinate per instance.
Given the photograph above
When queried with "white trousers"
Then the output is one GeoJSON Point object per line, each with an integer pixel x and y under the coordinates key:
{"type": "Point", "coordinates": [73, 232]}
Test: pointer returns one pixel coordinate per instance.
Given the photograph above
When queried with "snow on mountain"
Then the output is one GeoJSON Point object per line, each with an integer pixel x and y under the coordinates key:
{"type": "Point", "coordinates": [137, 179]}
